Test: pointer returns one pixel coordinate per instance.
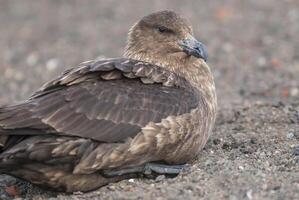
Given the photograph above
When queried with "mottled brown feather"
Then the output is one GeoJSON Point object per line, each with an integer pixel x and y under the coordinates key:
{"type": "Point", "coordinates": [157, 104]}
{"type": "Point", "coordinates": [81, 103]}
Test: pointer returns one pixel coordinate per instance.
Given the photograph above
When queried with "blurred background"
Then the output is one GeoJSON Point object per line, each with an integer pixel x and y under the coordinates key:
{"type": "Point", "coordinates": [253, 52]}
{"type": "Point", "coordinates": [253, 45]}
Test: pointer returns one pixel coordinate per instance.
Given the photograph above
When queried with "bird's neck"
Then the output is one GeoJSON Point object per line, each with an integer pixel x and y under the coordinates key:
{"type": "Point", "coordinates": [199, 75]}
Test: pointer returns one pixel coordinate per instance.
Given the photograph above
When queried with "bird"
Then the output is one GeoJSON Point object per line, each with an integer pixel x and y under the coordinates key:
{"type": "Point", "coordinates": [150, 111]}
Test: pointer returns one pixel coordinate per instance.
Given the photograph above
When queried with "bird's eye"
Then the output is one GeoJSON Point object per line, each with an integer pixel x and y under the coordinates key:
{"type": "Point", "coordinates": [163, 29]}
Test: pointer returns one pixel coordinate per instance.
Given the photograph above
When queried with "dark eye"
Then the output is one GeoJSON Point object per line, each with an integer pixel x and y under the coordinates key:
{"type": "Point", "coordinates": [163, 29]}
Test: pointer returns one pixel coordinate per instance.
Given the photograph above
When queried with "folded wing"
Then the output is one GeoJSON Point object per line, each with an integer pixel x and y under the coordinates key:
{"type": "Point", "coordinates": [105, 100]}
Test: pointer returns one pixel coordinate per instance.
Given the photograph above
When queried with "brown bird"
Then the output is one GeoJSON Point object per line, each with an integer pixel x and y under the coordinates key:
{"type": "Point", "coordinates": [109, 119]}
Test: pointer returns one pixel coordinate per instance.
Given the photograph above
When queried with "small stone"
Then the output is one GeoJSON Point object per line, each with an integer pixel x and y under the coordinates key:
{"type": "Point", "coordinates": [226, 146]}
{"type": "Point", "coordinates": [247, 149]}
{"type": "Point", "coordinates": [276, 152]}
{"type": "Point", "coordinates": [261, 61]}
{"type": "Point", "coordinates": [52, 64]}
{"type": "Point", "coordinates": [160, 178]}
{"type": "Point", "coordinates": [216, 141]}
{"type": "Point", "coordinates": [78, 193]}
{"type": "Point", "coordinates": [290, 135]}
{"type": "Point", "coordinates": [275, 62]}
{"type": "Point", "coordinates": [32, 59]}
{"type": "Point", "coordinates": [249, 194]}
{"type": "Point", "coordinates": [128, 189]}
{"type": "Point", "coordinates": [131, 180]}
{"type": "Point", "coordinates": [112, 187]}
{"type": "Point", "coordinates": [296, 151]}
{"type": "Point", "coordinates": [294, 92]}
{"type": "Point", "coordinates": [19, 76]}
{"type": "Point", "coordinates": [253, 140]}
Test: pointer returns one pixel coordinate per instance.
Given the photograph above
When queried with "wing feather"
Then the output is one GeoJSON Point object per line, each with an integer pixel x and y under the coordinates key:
{"type": "Point", "coordinates": [104, 100]}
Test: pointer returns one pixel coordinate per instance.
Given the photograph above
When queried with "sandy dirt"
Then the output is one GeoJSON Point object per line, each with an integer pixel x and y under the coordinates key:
{"type": "Point", "coordinates": [254, 54]}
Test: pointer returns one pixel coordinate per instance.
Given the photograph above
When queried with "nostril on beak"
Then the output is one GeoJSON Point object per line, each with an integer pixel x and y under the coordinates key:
{"type": "Point", "coordinates": [198, 49]}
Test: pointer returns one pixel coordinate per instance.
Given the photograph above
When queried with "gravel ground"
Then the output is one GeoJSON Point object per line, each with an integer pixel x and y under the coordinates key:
{"type": "Point", "coordinates": [254, 54]}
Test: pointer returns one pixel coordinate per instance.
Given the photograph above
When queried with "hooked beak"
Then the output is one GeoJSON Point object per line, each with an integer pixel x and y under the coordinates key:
{"type": "Point", "coordinates": [192, 47]}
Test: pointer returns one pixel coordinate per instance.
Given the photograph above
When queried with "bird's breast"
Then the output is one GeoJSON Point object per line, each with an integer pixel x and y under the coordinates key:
{"type": "Point", "coordinates": [176, 139]}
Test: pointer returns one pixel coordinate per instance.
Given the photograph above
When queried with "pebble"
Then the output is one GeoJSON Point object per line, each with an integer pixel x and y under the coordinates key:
{"type": "Point", "coordinates": [131, 180]}
{"type": "Point", "coordinates": [19, 76]}
{"type": "Point", "coordinates": [249, 194]}
{"type": "Point", "coordinates": [216, 141]}
{"type": "Point", "coordinates": [78, 193]}
{"type": "Point", "coordinates": [32, 59]}
{"type": "Point", "coordinates": [160, 178]}
{"type": "Point", "coordinates": [262, 155]}
{"type": "Point", "coordinates": [261, 61]}
{"type": "Point", "coordinates": [111, 187]}
{"type": "Point", "coordinates": [290, 135]}
{"type": "Point", "coordinates": [52, 64]}
{"type": "Point", "coordinates": [296, 151]}
{"type": "Point", "coordinates": [294, 92]}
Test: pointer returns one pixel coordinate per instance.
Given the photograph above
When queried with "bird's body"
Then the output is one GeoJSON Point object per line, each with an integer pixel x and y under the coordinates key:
{"type": "Point", "coordinates": [112, 114]}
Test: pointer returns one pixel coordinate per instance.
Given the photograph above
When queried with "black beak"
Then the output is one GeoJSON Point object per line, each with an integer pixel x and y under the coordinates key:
{"type": "Point", "coordinates": [194, 48]}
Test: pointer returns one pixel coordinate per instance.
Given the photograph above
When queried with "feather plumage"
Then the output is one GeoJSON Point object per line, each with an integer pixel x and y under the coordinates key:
{"type": "Point", "coordinates": [158, 104]}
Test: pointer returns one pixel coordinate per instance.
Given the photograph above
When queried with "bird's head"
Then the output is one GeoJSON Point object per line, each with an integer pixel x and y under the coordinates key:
{"type": "Point", "coordinates": [164, 38]}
